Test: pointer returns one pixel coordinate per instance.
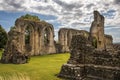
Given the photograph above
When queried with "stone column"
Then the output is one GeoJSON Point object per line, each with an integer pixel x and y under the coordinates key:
{"type": "Point", "coordinates": [65, 42]}
{"type": "Point", "coordinates": [36, 38]}
{"type": "Point", "coordinates": [42, 46]}
{"type": "Point", "coordinates": [51, 43]}
{"type": "Point", "coordinates": [32, 41]}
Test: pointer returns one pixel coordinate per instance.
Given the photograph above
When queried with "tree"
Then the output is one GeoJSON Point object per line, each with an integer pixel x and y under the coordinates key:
{"type": "Point", "coordinates": [12, 27]}
{"type": "Point", "coordinates": [3, 37]}
{"type": "Point", "coordinates": [30, 17]}
{"type": "Point", "coordinates": [94, 42]}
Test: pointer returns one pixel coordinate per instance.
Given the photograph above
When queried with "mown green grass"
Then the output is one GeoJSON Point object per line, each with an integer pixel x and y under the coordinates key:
{"type": "Point", "coordinates": [44, 67]}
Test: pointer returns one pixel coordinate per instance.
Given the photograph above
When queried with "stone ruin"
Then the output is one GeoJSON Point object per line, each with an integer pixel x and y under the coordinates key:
{"type": "Point", "coordinates": [92, 58]}
{"type": "Point", "coordinates": [12, 53]}
{"type": "Point", "coordinates": [28, 38]}
{"type": "Point", "coordinates": [116, 46]}
{"type": "Point", "coordinates": [96, 35]}
{"type": "Point", "coordinates": [65, 37]}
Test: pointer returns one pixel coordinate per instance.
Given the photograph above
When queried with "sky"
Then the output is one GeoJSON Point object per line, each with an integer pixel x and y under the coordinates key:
{"type": "Point", "coordinates": [76, 14]}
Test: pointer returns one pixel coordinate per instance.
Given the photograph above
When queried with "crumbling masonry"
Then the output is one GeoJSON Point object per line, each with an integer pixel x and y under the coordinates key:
{"type": "Point", "coordinates": [96, 35]}
{"type": "Point", "coordinates": [28, 38]}
{"type": "Point", "coordinates": [92, 58]}
{"type": "Point", "coordinates": [65, 37]}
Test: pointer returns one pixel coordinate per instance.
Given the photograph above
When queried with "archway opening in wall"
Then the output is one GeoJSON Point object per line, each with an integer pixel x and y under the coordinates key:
{"type": "Point", "coordinates": [27, 37]}
{"type": "Point", "coordinates": [94, 42]}
{"type": "Point", "coordinates": [46, 37]}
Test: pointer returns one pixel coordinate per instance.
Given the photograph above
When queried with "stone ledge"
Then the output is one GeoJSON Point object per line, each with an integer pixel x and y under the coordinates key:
{"type": "Point", "coordinates": [89, 72]}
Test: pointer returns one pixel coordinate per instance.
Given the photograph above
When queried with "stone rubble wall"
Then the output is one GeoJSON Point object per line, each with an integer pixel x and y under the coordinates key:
{"type": "Point", "coordinates": [116, 47]}
{"type": "Point", "coordinates": [65, 37]}
{"type": "Point", "coordinates": [93, 58]}
{"type": "Point", "coordinates": [88, 63]}
{"type": "Point", "coordinates": [13, 53]}
{"type": "Point", "coordinates": [18, 52]}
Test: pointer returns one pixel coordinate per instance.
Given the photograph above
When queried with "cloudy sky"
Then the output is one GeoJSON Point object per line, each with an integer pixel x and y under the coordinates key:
{"type": "Point", "coordinates": [77, 14]}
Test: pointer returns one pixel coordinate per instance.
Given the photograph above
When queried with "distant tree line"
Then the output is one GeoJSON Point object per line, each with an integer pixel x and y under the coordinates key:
{"type": "Point", "coordinates": [3, 37]}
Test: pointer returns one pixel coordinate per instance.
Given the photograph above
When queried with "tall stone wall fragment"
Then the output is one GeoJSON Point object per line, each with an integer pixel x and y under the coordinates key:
{"type": "Point", "coordinates": [93, 58]}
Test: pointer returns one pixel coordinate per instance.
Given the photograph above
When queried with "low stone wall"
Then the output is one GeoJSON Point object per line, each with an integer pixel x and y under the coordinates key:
{"type": "Point", "coordinates": [98, 72]}
{"type": "Point", "coordinates": [73, 72]}
{"type": "Point", "coordinates": [89, 72]}
{"type": "Point", "coordinates": [104, 58]}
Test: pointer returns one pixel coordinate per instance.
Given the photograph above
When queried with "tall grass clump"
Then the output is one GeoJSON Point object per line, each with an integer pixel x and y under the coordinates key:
{"type": "Point", "coordinates": [13, 76]}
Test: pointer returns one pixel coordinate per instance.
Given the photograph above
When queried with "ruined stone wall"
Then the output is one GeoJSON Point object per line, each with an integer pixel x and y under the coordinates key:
{"type": "Point", "coordinates": [88, 63]}
{"type": "Point", "coordinates": [116, 46]}
{"type": "Point", "coordinates": [65, 36]}
{"type": "Point", "coordinates": [13, 52]}
{"type": "Point", "coordinates": [62, 39]}
{"type": "Point", "coordinates": [108, 42]}
{"type": "Point", "coordinates": [96, 36]}
{"type": "Point", "coordinates": [97, 30]}
{"type": "Point", "coordinates": [41, 40]}
{"type": "Point", "coordinates": [74, 68]}
{"type": "Point", "coordinates": [38, 30]}
{"type": "Point", "coordinates": [93, 58]}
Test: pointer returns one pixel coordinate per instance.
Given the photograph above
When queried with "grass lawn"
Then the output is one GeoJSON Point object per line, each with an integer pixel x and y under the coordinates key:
{"type": "Point", "coordinates": [44, 67]}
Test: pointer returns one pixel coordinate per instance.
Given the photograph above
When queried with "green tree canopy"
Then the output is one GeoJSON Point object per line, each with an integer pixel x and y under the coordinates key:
{"type": "Point", "coordinates": [3, 37]}
{"type": "Point", "coordinates": [12, 27]}
{"type": "Point", "coordinates": [30, 17]}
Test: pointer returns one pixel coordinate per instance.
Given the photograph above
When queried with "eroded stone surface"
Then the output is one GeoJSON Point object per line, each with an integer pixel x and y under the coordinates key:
{"type": "Point", "coordinates": [96, 35]}
{"type": "Point", "coordinates": [116, 47]}
{"type": "Point", "coordinates": [65, 37]}
{"type": "Point", "coordinates": [13, 53]}
{"type": "Point", "coordinates": [40, 40]}
{"type": "Point", "coordinates": [88, 61]}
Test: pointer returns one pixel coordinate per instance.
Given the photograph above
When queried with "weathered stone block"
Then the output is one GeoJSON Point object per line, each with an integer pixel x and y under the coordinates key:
{"type": "Point", "coordinates": [72, 72]}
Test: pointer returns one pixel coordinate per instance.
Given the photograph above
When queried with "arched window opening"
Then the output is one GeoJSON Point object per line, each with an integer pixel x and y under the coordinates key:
{"type": "Point", "coordinates": [94, 42]}
{"type": "Point", "coordinates": [46, 37]}
{"type": "Point", "coordinates": [27, 36]}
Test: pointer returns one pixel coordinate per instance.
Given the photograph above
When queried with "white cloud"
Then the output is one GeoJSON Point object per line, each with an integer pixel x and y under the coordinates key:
{"type": "Point", "coordinates": [66, 11]}
{"type": "Point", "coordinates": [70, 13]}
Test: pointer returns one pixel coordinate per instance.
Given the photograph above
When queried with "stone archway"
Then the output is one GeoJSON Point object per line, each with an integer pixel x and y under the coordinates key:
{"type": "Point", "coordinates": [38, 44]}
{"type": "Point", "coordinates": [28, 44]}
{"type": "Point", "coordinates": [63, 40]}
{"type": "Point", "coordinates": [47, 38]}
{"type": "Point", "coordinates": [65, 37]}
{"type": "Point", "coordinates": [28, 38]}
